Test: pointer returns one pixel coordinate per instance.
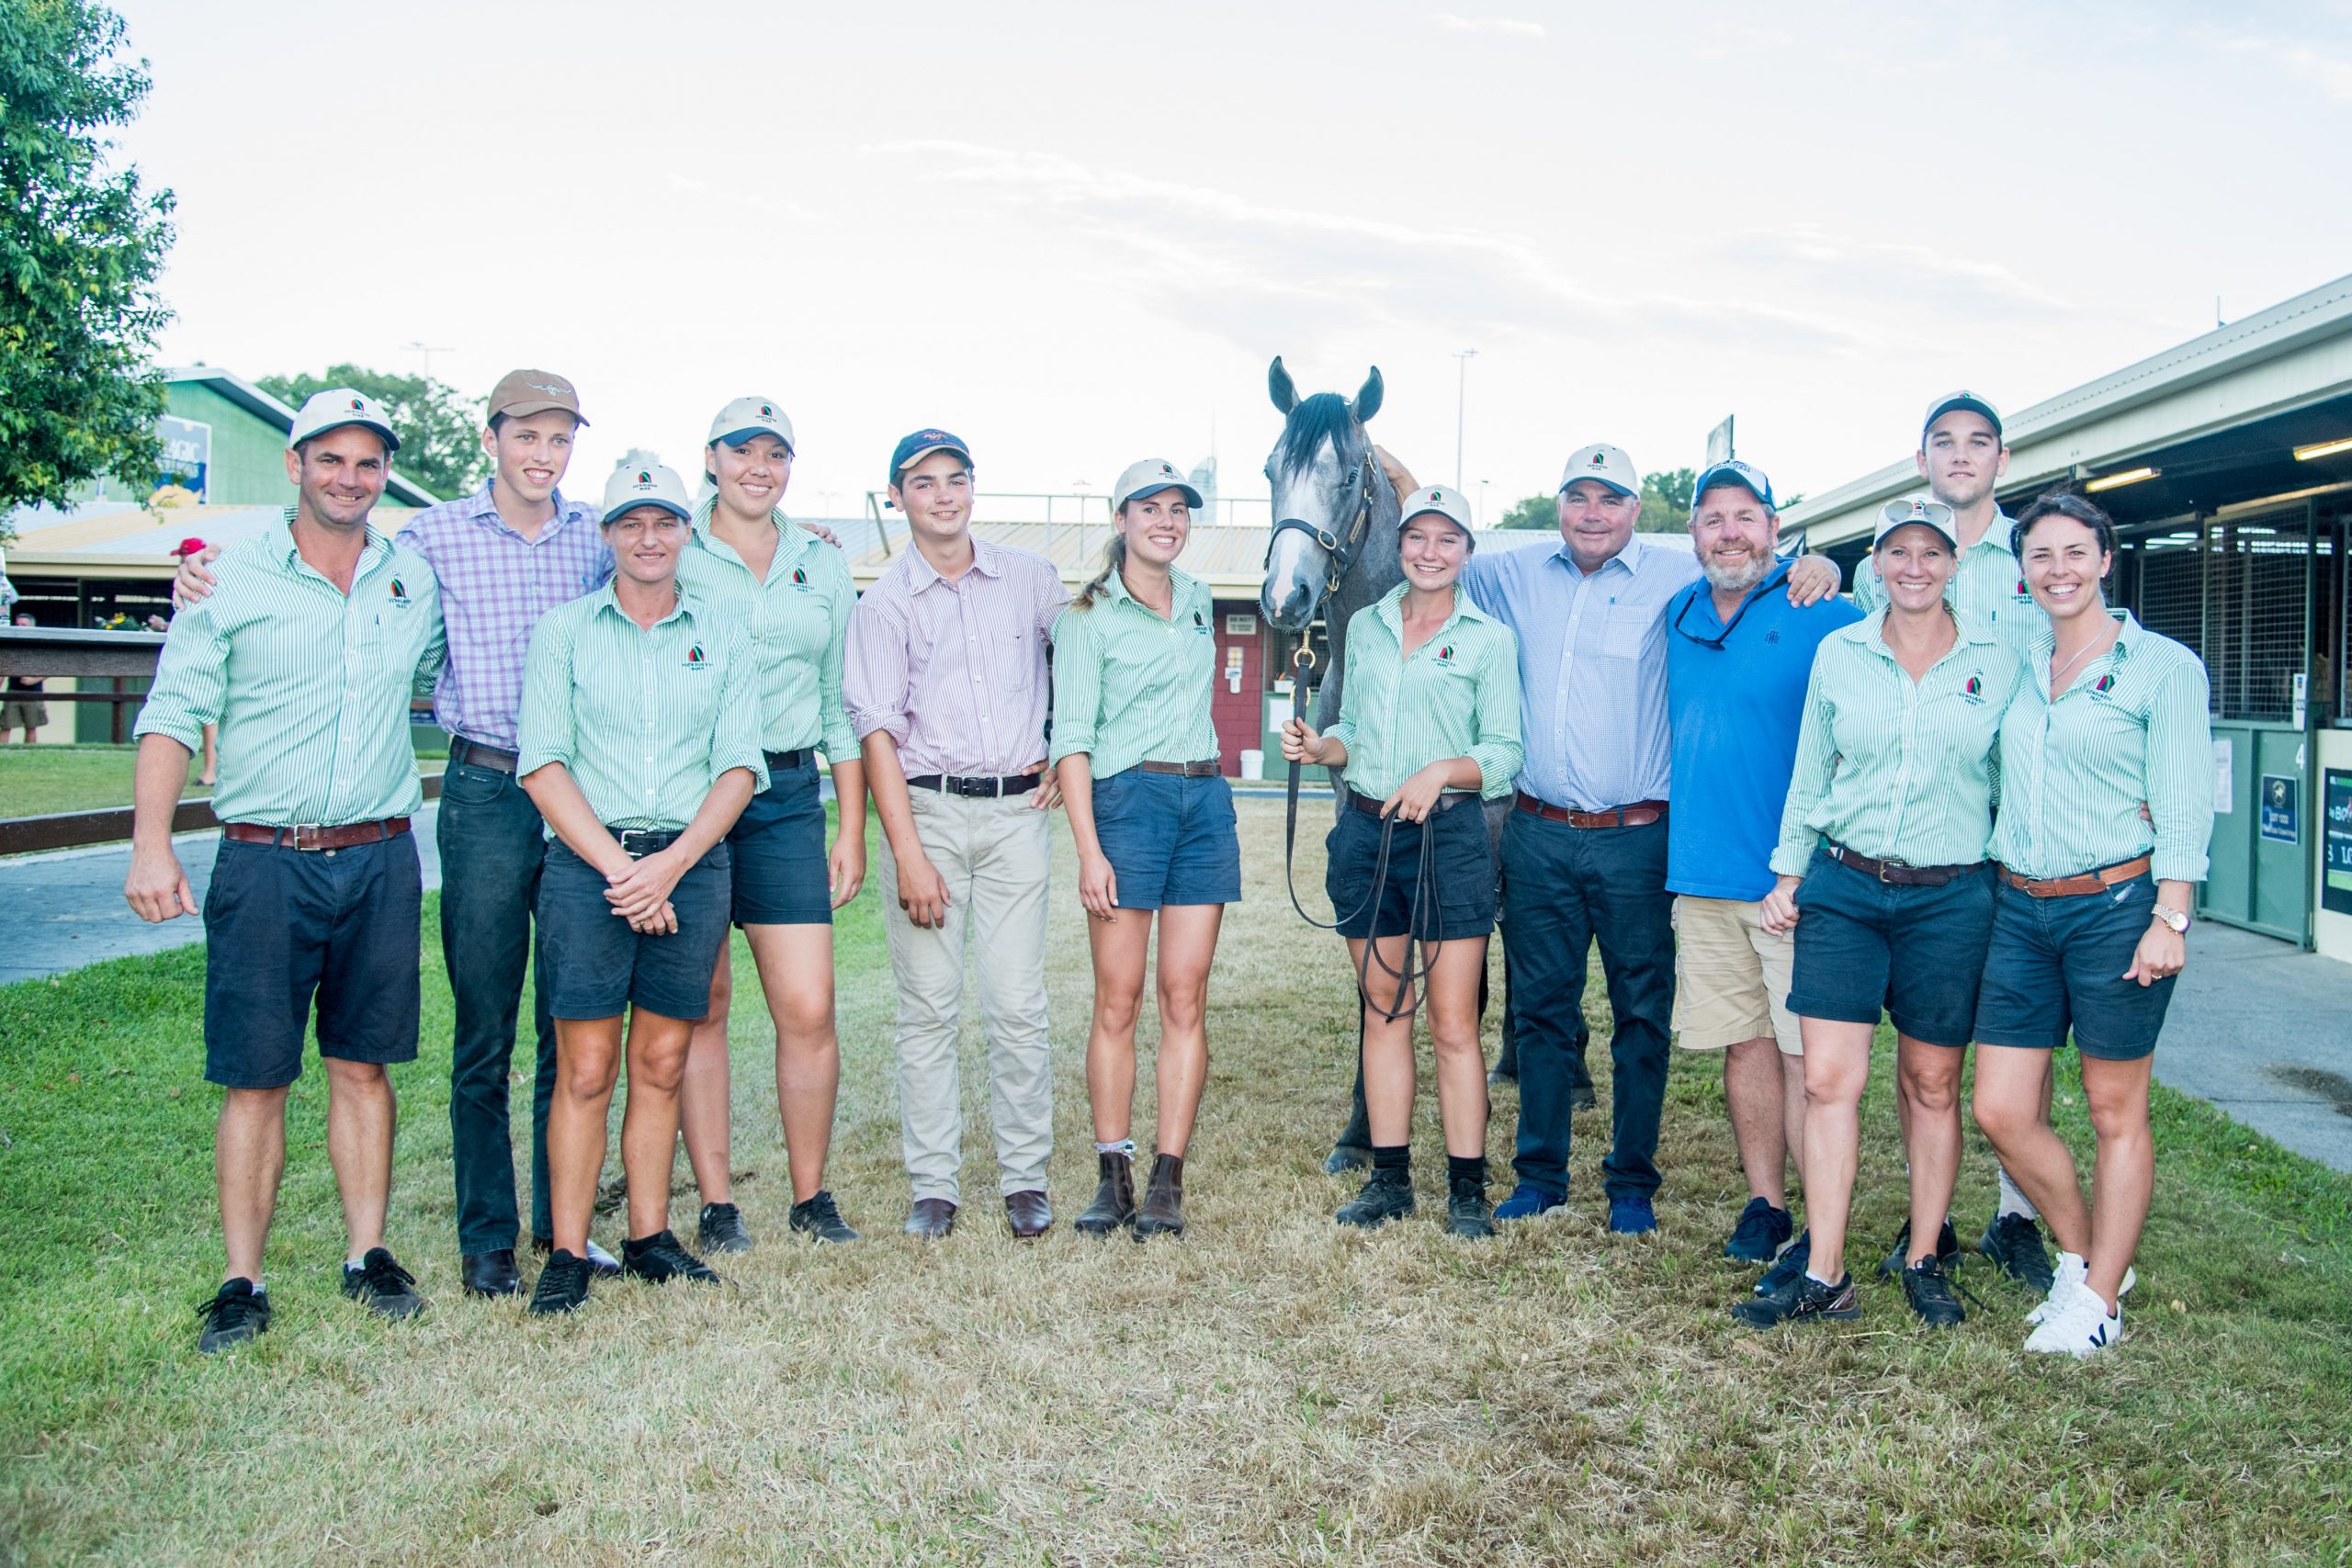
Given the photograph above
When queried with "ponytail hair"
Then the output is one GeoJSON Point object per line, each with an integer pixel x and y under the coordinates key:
{"type": "Point", "coordinates": [1114, 558]}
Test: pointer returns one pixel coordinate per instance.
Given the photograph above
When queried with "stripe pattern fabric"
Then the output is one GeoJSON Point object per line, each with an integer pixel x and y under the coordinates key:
{"type": "Point", "coordinates": [797, 618]}
{"type": "Point", "coordinates": [1455, 696]}
{"type": "Point", "coordinates": [1130, 687]}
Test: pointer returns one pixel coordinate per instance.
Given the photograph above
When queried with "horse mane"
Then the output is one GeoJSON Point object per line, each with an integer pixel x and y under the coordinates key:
{"type": "Point", "coordinates": [1324, 416]}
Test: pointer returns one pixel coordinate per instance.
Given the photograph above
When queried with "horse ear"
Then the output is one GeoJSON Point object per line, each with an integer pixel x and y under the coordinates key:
{"type": "Point", "coordinates": [1368, 399]}
{"type": "Point", "coordinates": [1278, 385]}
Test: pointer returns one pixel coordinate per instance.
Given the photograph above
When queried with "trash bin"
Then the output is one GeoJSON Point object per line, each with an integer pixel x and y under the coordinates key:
{"type": "Point", "coordinates": [1253, 764]}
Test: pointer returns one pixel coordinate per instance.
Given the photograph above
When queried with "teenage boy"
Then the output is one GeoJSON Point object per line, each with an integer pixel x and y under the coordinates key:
{"type": "Point", "coordinates": [946, 687]}
{"type": "Point", "coordinates": [306, 656]}
{"type": "Point", "coordinates": [640, 746]}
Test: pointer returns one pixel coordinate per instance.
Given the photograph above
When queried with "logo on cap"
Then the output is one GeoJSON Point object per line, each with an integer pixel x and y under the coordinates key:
{"type": "Point", "coordinates": [359, 405]}
{"type": "Point", "coordinates": [1437, 498]}
{"type": "Point", "coordinates": [1599, 460]}
{"type": "Point", "coordinates": [767, 412]}
{"type": "Point", "coordinates": [557, 391]}
{"type": "Point", "coordinates": [644, 477]}
{"type": "Point", "coordinates": [1168, 471]}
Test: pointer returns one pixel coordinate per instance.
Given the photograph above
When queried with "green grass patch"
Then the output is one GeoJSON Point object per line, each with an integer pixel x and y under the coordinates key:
{"type": "Point", "coordinates": [39, 781]}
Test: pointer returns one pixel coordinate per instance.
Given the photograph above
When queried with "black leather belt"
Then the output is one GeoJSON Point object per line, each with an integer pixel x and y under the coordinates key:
{"type": "Point", "coordinates": [785, 761]}
{"type": "Point", "coordinates": [1200, 768]}
{"type": "Point", "coordinates": [1370, 805]}
{"type": "Point", "coordinates": [976, 788]}
{"type": "Point", "coordinates": [474, 754]}
{"type": "Point", "coordinates": [639, 842]}
{"type": "Point", "coordinates": [1895, 873]}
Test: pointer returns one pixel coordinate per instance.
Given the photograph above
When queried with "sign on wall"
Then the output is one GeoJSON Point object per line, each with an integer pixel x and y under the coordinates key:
{"type": "Point", "coordinates": [2282, 808]}
{"type": "Point", "coordinates": [2336, 842]}
{"type": "Point", "coordinates": [186, 456]}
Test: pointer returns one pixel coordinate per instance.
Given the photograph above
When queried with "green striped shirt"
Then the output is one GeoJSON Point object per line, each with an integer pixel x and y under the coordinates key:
{"type": "Point", "coordinates": [309, 686]}
{"type": "Point", "coordinates": [1129, 687]}
{"type": "Point", "coordinates": [645, 719]}
{"type": "Point", "coordinates": [2130, 728]}
{"type": "Point", "coordinates": [1455, 696]}
{"type": "Point", "coordinates": [799, 621]}
{"type": "Point", "coordinates": [1989, 585]}
{"type": "Point", "coordinates": [1894, 768]}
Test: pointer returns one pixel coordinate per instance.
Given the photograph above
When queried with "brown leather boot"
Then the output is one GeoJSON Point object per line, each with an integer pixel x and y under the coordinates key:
{"type": "Point", "coordinates": [1115, 1201]}
{"type": "Point", "coordinates": [1163, 1203]}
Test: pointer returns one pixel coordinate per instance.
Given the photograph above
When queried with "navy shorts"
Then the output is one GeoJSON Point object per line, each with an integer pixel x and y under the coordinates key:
{"type": "Point", "coordinates": [1460, 906]}
{"type": "Point", "coordinates": [2057, 963]}
{"type": "Point", "coordinates": [284, 927]}
{"type": "Point", "coordinates": [1918, 952]}
{"type": "Point", "coordinates": [592, 964]}
{"type": "Point", "coordinates": [779, 850]}
{"type": "Point", "coordinates": [1170, 838]}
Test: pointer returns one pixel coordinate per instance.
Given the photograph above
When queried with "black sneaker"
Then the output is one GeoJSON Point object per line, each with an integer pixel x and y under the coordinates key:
{"type": "Point", "coordinates": [1761, 1233]}
{"type": "Point", "coordinates": [235, 1313]}
{"type": "Point", "coordinates": [1467, 1212]}
{"type": "Point", "coordinates": [1789, 1267]}
{"type": "Point", "coordinates": [382, 1286]}
{"type": "Point", "coordinates": [660, 1259]}
{"type": "Point", "coordinates": [603, 1264]}
{"type": "Point", "coordinates": [1929, 1285]}
{"type": "Point", "coordinates": [1387, 1195]}
{"type": "Point", "coordinates": [1808, 1301]}
{"type": "Point", "coordinates": [721, 1229]}
{"type": "Point", "coordinates": [1898, 1256]}
{"type": "Point", "coordinates": [563, 1284]}
{"type": "Point", "coordinates": [820, 1217]}
{"type": "Point", "coordinates": [2012, 1244]}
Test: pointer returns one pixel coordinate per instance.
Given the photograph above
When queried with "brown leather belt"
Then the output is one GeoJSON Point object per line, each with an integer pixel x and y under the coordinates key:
{"type": "Point", "coordinates": [2098, 881]}
{"type": "Point", "coordinates": [1641, 814]}
{"type": "Point", "coordinates": [474, 754]}
{"type": "Point", "coordinates": [1370, 805]}
{"type": "Point", "coordinates": [1893, 873]}
{"type": "Point", "coordinates": [342, 838]}
{"type": "Point", "coordinates": [1202, 768]}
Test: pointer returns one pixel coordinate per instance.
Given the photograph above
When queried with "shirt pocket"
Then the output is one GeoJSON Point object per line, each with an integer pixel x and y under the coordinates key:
{"type": "Point", "coordinates": [1624, 632]}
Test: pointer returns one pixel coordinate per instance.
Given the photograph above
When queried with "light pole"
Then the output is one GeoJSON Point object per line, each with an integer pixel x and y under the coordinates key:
{"type": "Point", "coordinates": [428, 350]}
{"type": "Point", "coordinates": [1482, 501]}
{"type": "Point", "coordinates": [1461, 406]}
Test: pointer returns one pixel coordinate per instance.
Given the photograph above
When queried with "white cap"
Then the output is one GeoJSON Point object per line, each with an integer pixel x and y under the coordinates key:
{"type": "Point", "coordinates": [652, 484]}
{"type": "Point", "coordinates": [1603, 462]}
{"type": "Point", "coordinates": [1149, 478]}
{"type": "Point", "coordinates": [747, 417]}
{"type": "Point", "coordinates": [334, 409]}
{"type": "Point", "coordinates": [1450, 505]}
{"type": "Point", "coordinates": [1917, 509]}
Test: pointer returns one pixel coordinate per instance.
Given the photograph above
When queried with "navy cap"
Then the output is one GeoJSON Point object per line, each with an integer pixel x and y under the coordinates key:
{"type": "Point", "coordinates": [1955, 402]}
{"type": "Point", "coordinates": [913, 449]}
{"type": "Point", "coordinates": [1732, 472]}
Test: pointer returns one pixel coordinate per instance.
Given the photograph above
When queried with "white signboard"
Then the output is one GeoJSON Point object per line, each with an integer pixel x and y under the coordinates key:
{"type": "Point", "coordinates": [2224, 770]}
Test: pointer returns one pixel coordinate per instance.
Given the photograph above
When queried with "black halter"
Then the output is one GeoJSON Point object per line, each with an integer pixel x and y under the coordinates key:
{"type": "Point", "coordinates": [1340, 550]}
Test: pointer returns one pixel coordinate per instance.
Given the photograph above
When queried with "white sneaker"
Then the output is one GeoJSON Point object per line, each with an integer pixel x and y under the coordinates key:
{"type": "Point", "coordinates": [2072, 1270]}
{"type": "Point", "coordinates": [2081, 1326]}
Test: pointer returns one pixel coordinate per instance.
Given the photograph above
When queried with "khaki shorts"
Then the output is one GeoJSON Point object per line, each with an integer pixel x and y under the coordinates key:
{"type": "Point", "coordinates": [1731, 976]}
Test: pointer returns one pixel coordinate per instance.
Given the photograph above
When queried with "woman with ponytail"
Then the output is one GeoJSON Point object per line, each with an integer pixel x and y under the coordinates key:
{"type": "Point", "coordinates": [1134, 666]}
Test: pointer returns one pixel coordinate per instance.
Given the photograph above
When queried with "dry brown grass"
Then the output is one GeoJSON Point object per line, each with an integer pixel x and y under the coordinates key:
{"type": "Point", "coordinates": [1269, 1390]}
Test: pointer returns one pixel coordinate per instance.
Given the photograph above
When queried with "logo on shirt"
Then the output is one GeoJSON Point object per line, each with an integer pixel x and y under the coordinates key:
{"type": "Point", "coordinates": [695, 660]}
{"type": "Point", "coordinates": [1200, 626]}
{"type": "Point", "coordinates": [399, 594]}
{"type": "Point", "coordinates": [800, 578]}
{"type": "Point", "coordinates": [1972, 689]}
{"type": "Point", "coordinates": [2103, 686]}
{"type": "Point", "coordinates": [1445, 654]}
{"type": "Point", "coordinates": [2023, 592]}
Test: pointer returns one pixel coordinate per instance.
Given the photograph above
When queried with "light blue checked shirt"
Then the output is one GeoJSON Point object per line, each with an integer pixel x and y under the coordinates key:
{"type": "Point", "coordinates": [1592, 664]}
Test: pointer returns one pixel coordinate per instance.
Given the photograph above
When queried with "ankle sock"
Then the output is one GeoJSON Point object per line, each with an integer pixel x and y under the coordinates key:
{"type": "Point", "coordinates": [2014, 1200]}
{"type": "Point", "coordinates": [1124, 1147]}
{"type": "Point", "coordinates": [1392, 1156]}
{"type": "Point", "coordinates": [1466, 1168]}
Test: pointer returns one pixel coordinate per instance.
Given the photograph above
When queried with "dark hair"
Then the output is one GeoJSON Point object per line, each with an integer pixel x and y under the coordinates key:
{"type": "Point", "coordinates": [899, 476]}
{"type": "Point", "coordinates": [498, 423]}
{"type": "Point", "coordinates": [2073, 506]}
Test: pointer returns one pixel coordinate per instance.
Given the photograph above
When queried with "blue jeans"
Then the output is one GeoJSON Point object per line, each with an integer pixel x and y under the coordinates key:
{"type": "Point", "coordinates": [1567, 886]}
{"type": "Point", "coordinates": [493, 845]}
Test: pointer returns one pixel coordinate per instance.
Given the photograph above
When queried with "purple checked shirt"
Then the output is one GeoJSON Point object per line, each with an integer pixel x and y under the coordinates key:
{"type": "Point", "coordinates": [955, 672]}
{"type": "Point", "coordinates": [495, 584]}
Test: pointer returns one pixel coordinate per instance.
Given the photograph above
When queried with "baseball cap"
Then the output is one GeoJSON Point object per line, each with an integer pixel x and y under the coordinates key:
{"type": "Point", "coordinates": [522, 393]}
{"type": "Point", "coordinates": [1917, 509]}
{"type": "Point", "coordinates": [651, 484]}
{"type": "Point", "coordinates": [1953, 403]}
{"type": "Point", "coordinates": [334, 409]}
{"type": "Point", "coordinates": [913, 449]}
{"type": "Point", "coordinates": [1149, 477]}
{"type": "Point", "coordinates": [1603, 462]}
{"type": "Point", "coordinates": [1732, 472]}
{"type": "Point", "coordinates": [747, 417]}
{"type": "Point", "coordinates": [188, 547]}
{"type": "Point", "coordinates": [1450, 505]}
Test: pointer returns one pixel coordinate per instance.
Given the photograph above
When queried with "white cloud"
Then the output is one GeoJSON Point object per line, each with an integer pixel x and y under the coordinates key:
{"type": "Point", "coordinates": [2329, 72]}
{"type": "Point", "coordinates": [1509, 26]}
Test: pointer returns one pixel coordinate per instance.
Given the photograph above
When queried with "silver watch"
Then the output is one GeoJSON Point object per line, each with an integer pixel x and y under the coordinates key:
{"type": "Point", "coordinates": [2178, 919]}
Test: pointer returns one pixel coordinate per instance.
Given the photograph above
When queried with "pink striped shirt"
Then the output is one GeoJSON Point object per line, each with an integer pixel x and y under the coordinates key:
{"type": "Point", "coordinates": [955, 672]}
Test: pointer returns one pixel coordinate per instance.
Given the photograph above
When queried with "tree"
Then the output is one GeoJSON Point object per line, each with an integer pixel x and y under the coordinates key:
{"type": "Point", "coordinates": [440, 434]}
{"type": "Point", "coordinates": [1666, 505]}
{"type": "Point", "coordinates": [81, 245]}
{"type": "Point", "coordinates": [1536, 511]}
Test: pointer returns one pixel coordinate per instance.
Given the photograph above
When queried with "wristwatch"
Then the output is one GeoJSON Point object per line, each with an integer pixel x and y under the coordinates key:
{"type": "Point", "coordinates": [2175, 919]}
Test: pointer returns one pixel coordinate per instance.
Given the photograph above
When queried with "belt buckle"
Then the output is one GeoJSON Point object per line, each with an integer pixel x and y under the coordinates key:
{"type": "Point", "coordinates": [630, 833]}
{"type": "Point", "coordinates": [295, 841]}
{"type": "Point", "coordinates": [1891, 863]}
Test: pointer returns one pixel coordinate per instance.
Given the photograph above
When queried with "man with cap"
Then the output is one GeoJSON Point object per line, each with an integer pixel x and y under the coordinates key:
{"type": "Point", "coordinates": [502, 557]}
{"type": "Point", "coordinates": [1586, 840]}
{"type": "Point", "coordinates": [306, 656]}
{"type": "Point", "coordinates": [946, 685]}
{"type": "Point", "coordinates": [1963, 454]}
{"type": "Point", "coordinates": [640, 745]}
{"type": "Point", "coordinates": [1737, 656]}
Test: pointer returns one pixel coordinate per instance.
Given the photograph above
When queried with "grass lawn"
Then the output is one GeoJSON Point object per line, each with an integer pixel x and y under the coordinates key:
{"type": "Point", "coordinates": [35, 781]}
{"type": "Point", "coordinates": [1268, 1390]}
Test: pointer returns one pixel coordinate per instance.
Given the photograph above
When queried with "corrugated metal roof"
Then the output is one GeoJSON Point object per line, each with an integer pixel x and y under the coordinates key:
{"type": "Point", "coordinates": [117, 538]}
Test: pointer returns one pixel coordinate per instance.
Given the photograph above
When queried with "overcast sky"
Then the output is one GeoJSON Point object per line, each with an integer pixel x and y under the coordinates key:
{"type": "Point", "coordinates": [1075, 233]}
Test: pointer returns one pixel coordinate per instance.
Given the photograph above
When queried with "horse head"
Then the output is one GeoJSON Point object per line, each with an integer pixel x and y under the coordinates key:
{"type": "Point", "coordinates": [1324, 480]}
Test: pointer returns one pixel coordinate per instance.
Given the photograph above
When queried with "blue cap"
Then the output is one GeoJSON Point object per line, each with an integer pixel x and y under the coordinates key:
{"type": "Point", "coordinates": [913, 449]}
{"type": "Point", "coordinates": [1732, 472]}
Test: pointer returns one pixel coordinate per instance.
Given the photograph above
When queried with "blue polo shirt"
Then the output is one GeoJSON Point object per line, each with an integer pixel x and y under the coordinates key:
{"type": "Point", "coordinates": [1735, 700]}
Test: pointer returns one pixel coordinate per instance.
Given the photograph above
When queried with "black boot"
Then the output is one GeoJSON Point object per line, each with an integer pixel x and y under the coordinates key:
{"type": "Point", "coordinates": [1115, 1201]}
{"type": "Point", "coordinates": [1163, 1203]}
{"type": "Point", "coordinates": [1467, 1212]}
{"type": "Point", "coordinates": [1353, 1149]}
{"type": "Point", "coordinates": [1387, 1195]}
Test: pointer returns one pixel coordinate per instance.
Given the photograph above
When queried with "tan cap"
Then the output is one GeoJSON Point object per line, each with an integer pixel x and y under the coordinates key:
{"type": "Point", "coordinates": [747, 417]}
{"type": "Point", "coordinates": [334, 409]}
{"type": "Point", "coordinates": [1916, 509]}
{"type": "Point", "coordinates": [522, 393]}
{"type": "Point", "coordinates": [1149, 478]}
{"type": "Point", "coordinates": [1603, 462]}
{"type": "Point", "coordinates": [652, 484]}
{"type": "Point", "coordinates": [1450, 505]}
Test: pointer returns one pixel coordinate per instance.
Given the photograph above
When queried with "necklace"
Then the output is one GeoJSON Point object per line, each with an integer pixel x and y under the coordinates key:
{"type": "Point", "coordinates": [2070, 663]}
